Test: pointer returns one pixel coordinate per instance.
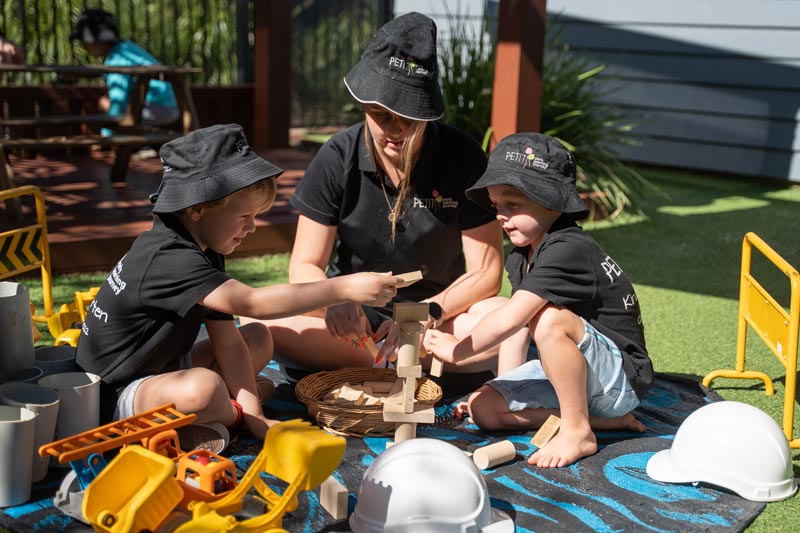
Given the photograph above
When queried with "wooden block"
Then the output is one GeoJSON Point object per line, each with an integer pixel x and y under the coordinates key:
{"type": "Point", "coordinates": [405, 431]}
{"type": "Point", "coordinates": [409, 278]}
{"type": "Point", "coordinates": [350, 394]}
{"type": "Point", "coordinates": [333, 497]}
{"type": "Point", "coordinates": [379, 387]}
{"type": "Point", "coordinates": [409, 388]}
{"type": "Point", "coordinates": [422, 414]}
{"type": "Point", "coordinates": [371, 347]}
{"type": "Point", "coordinates": [409, 371]}
{"type": "Point", "coordinates": [437, 366]}
{"type": "Point", "coordinates": [410, 312]}
{"type": "Point", "coordinates": [494, 454]}
{"type": "Point", "coordinates": [547, 431]}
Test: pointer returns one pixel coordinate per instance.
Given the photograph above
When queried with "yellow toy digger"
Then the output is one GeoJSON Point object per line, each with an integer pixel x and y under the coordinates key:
{"type": "Point", "coordinates": [296, 452]}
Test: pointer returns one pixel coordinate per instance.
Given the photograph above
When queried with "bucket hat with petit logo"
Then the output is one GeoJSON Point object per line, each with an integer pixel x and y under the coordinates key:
{"type": "Point", "coordinates": [206, 165]}
{"type": "Point", "coordinates": [399, 71]}
{"type": "Point", "coordinates": [539, 166]}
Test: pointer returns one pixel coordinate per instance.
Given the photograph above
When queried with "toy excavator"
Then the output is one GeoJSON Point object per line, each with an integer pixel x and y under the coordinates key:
{"type": "Point", "coordinates": [142, 490]}
{"type": "Point", "coordinates": [154, 430]}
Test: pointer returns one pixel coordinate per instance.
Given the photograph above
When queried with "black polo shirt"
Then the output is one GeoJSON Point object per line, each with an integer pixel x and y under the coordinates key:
{"type": "Point", "coordinates": [569, 269]}
{"type": "Point", "coordinates": [146, 316]}
{"type": "Point", "coordinates": [342, 188]}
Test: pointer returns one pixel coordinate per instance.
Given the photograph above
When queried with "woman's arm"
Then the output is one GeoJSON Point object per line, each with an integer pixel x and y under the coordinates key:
{"type": "Point", "coordinates": [313, 244]}
{"type": "Point", "coordinates": [483, 252]}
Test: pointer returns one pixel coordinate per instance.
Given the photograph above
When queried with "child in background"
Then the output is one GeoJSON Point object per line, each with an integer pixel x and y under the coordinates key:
{"type": "Point", "coordinates": [139, 334]}
{"type": "Point", "coordinates": [569, 296]}
{"type": "Point", "coordinates": [11, 52]}
{"type": "Point", "coordinates": [98, 31]}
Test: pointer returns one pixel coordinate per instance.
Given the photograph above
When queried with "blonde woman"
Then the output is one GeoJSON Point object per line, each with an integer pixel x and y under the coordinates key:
{"type": "Point", "coordinates": [387, 194]}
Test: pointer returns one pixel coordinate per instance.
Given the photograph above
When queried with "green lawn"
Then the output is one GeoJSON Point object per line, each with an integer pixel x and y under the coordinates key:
{"type": "Point", "coordinates": [684, 257]}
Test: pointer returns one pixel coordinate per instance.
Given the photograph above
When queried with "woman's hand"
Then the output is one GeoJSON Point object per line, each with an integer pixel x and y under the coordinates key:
{"type": "Point", "coordinates": [390, 332]}
{"type": "Point", "coordinates": [348, 322]}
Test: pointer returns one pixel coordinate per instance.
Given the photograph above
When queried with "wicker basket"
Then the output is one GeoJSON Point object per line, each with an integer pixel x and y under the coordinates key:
{"type": "Point", "coordinates": [350, 419]}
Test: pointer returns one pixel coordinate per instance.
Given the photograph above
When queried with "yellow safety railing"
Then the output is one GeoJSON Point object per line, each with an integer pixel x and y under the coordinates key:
{"type": "Point", "coordinates": [26, 248]}
{"type": "Point", "coordinates": [773, 325]}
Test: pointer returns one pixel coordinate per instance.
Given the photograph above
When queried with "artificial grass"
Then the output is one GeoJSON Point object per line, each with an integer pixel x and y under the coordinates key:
{"type": "Point", "coordinates": [684, 257]}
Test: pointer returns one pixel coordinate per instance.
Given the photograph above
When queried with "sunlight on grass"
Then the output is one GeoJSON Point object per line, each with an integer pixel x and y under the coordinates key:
{"type": "Point", "coordinates": [719, 205]}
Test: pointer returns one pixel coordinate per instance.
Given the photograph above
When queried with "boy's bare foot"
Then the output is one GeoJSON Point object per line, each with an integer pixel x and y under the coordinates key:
{"type": "Point", "coordinates": [626, 421]}
{"type": "Point", "coordinates": [565, 448]}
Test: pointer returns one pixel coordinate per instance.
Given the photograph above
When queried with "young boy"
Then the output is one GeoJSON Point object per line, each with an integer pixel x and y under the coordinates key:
{"type": "Point", "coordinates": [568, 296]}
{"type": "Point", "coordinates": [139, 333]}
{"type": "Point", "coordinates": [98, 31]}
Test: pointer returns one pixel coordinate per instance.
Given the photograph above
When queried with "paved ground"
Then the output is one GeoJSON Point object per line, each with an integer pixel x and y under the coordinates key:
{"type": "Point", "coordinates": [92, 221]}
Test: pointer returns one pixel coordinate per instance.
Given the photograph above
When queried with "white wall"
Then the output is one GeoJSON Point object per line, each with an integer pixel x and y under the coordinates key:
{"type": "Point", "coordinates": [715, 82]}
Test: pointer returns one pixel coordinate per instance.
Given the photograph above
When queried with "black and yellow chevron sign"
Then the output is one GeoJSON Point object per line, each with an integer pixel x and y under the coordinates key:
{"type": "Point", "coordinates": [20, 249]}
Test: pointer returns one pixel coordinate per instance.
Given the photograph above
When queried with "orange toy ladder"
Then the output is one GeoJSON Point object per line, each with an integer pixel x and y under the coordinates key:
{"type": "Point", "coordinates": [773, 325]}
{"type": "Point", "coordinates": [78, 449]}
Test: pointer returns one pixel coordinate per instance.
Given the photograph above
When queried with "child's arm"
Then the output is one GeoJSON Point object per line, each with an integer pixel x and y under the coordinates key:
{"type": "Point", "coordinates": [236, 367]}
{"type": "Point", "coordinates": [289, 299]}
{"type": "Point", "coordinates": [495, 327]}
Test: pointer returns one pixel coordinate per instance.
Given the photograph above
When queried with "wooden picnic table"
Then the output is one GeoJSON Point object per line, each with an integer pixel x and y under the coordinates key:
{"type": "Point", "coordinates": [134, 133]}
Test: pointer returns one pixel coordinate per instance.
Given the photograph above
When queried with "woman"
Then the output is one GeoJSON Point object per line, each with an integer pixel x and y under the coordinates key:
{"type": "Point", "coordinates": [388, 195]}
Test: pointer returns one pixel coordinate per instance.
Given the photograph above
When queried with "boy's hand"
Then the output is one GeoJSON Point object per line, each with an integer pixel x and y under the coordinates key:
{"type": "Point", "coordinates": [440, 344]}
{"type": "Point", "coordinates": [372, 288]}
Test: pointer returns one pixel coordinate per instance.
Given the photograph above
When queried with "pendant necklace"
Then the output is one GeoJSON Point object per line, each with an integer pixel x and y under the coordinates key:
{"type": "Point", "coordinates": [392, 215]}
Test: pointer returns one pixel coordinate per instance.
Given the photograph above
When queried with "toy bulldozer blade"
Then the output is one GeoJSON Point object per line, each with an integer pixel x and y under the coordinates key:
{"type": "Point", "coordinates": [296, 452]}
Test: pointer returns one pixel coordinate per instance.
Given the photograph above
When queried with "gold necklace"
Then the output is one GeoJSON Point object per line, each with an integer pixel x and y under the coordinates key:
{"type": "Point", "coordinates": [392, 215]}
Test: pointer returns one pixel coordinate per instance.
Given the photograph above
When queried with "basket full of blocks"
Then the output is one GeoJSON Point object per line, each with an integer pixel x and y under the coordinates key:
{"type": "Point", "coordinates": [349, 401]}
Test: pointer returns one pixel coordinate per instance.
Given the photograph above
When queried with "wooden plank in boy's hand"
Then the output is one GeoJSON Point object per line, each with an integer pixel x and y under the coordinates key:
{"type": "Point", "coordinates": [409, 278]}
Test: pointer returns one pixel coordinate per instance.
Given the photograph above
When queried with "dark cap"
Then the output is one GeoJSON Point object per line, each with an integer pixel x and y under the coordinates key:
{"type": "Point", "coordinates": [399, 69]}
{"type": "Point", "coordinates": [539, 166]}
{"type": "Point", "coordinates": [95, 26]}
{"type": "Point", "coordinates": [206, 165]}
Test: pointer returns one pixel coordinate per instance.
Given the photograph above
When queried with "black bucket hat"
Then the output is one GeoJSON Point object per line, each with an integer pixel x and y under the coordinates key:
{"type": "Point", "coordinates": [399, 70]}
{"type": "Point", "coordinates": [95, 26]}
{"type": "Point", "coordinates": [207, 165]}
{"type": "Point", "coordinates": [539, 166]}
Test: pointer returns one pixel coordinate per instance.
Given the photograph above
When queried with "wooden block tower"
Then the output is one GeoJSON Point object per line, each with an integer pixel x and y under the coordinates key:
{"type": "Point", "coordinates": [403, 410]}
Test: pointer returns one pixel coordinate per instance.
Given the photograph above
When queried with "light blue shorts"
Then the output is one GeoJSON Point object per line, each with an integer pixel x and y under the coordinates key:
{"type": "Point", "coordinates": [124, 407]}
{"type": "Point", "coordinates": [607, 387]}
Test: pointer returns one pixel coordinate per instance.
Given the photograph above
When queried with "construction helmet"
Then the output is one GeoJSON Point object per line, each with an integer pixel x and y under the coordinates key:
{"type": "Point", "coordinates": [732, 445]}
{"type": "Point", "coordinates": [425, 486]}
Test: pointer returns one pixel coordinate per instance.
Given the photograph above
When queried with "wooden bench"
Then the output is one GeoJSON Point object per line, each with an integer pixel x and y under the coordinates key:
{"type": "Point", "coordinates": [124, 145]}
{"type": "Point", "coordinates": [100, 119]}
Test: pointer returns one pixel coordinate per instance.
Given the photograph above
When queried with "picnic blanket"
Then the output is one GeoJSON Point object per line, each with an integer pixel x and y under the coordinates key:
{"type": "Point", "coordinates": [609, 491]}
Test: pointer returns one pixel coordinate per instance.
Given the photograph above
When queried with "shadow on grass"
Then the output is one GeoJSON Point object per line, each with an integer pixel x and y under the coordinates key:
{"type": "Point", "coordinates": [692, 240]}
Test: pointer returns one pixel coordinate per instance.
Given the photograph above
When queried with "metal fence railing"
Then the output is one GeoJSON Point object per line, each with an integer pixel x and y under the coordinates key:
{"type": "Point", "coordinates": [327, 38]}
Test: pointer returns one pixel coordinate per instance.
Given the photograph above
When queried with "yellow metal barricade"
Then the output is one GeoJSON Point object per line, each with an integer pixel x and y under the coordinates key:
{"type": "Point", "coordinates": [26, 248]}
{"type": "Point", "coordinates": [773, 325]}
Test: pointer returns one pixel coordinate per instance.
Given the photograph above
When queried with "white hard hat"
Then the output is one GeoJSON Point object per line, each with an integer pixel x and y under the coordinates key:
{"type": "Point", "coordinates": [425, 486]}
{"type": "Point", "coordinates": [732, 445]}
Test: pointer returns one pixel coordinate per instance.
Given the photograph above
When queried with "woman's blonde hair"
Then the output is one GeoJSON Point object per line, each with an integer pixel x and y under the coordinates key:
{"type": "Point", "coordinates": [407, 163]}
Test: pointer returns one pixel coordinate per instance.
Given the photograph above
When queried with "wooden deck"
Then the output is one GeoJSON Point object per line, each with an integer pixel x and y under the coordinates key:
{"type": "Point", "coordinates": [92, 221]}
